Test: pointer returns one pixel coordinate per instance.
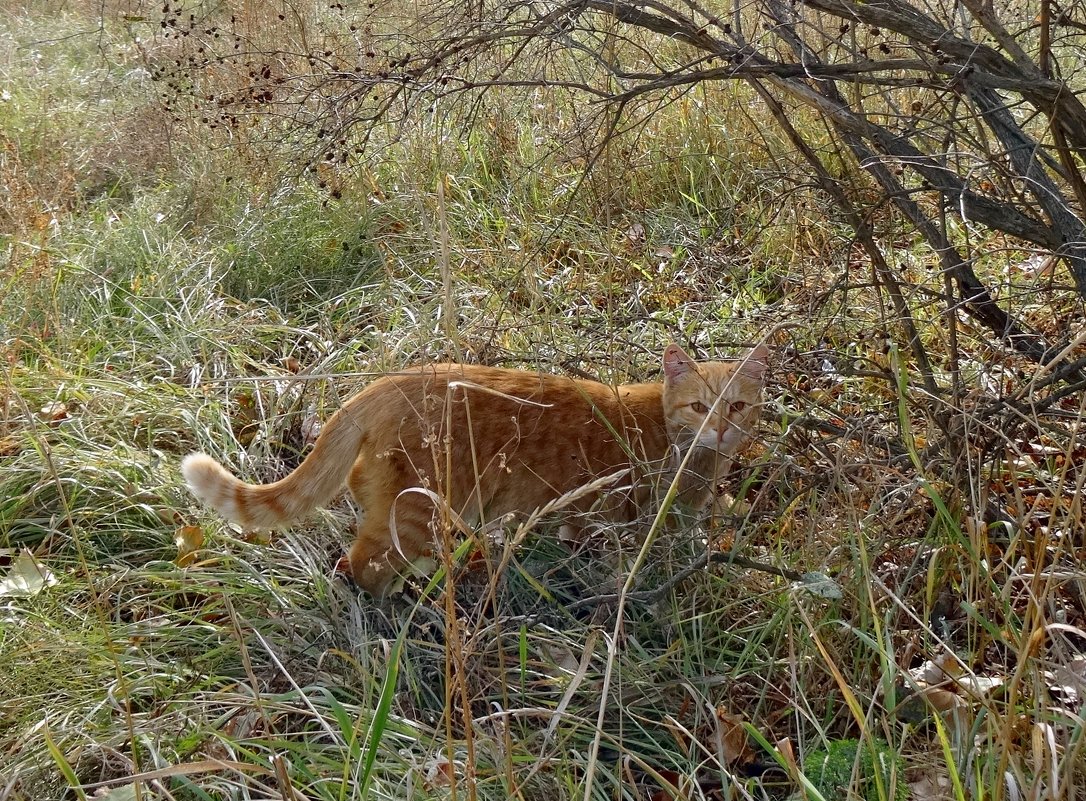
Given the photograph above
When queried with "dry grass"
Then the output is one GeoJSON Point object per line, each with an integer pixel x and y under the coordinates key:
{"type": "Point", "coordinates": [163, 284]}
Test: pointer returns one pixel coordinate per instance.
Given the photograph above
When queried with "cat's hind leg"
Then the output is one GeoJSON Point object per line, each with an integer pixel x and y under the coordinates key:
{"type": "Point", "coordinates": [377, 561]}
{"type": "Point", "coordinates": [396, 528]}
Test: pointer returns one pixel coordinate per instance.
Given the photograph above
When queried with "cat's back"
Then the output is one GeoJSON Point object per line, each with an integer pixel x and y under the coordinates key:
{"type": "Point", "coordinates": [532, 434]}
{"type": "Point", "coordinates": [430, 381]}
{"type": "Point", "coordinates": [493, 401]}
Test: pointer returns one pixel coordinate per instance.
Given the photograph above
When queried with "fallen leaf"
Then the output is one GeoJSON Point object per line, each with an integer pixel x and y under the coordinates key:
{"type": "Point", "coordinates": [821, 586]}
{"type": "Point", "coordinates": [674, 781]}
{"type": "Point", "coordinates": [439, 773]}
{"type": "Point", "coordinates": [946, 666]}
{"type": "Point", "coordinates": [561, 657]}
{"type": "Point", "coordinates": [935, 787]}
{"type": "Point", "coordinates": [731, 737]}
{"type": "Point", "coordinates": [189, 540]}
{"type": "Point", "coordinates": [938, 685]}
{"type": "Point", "coordinates": [1068, 682]}
{"type": "Point", "coordinates": [788, 754]}
{"type": "Point", "coordinates": [27, 577]}
{"type": "Point", "coordinates": [168, 516]}
{"type": "Point", "coordinates": [980, 685]}
{"type": "Point", "coordinates": [942, 700]}
{"type": "Point", "coordinates": [54, 412]}
{"type": "Point", "coordinates": [257, 537]}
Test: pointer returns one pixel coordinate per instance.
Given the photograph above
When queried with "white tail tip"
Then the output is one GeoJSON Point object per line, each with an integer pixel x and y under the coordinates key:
{"type": "Point", "coordinates": [211, 483]}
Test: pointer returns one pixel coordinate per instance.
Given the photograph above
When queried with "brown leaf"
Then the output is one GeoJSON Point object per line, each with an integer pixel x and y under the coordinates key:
{"type": "Point", "coordinates": [439, 773]}
{"type": "Point", "coordinates": [54, 412]}
{"type": "Point", "coordinates": [674, 779]}
{"type": "Point", "coordinates": [257, 537]}
{"type": "Point", "coordinates": [942, 700]}
{"type": "Point", "coordinates": [731, 737]}
{"type": "Point", "coordinates": [635, 237]}
{"type": "Point", "coordinates": [784, 746]}
{"type": "Point", "coordinates": [189, 540]}
{"type": "Point", "coordinates": [934, 785]}
{"type": "Point", "coordinates": [245, 421]}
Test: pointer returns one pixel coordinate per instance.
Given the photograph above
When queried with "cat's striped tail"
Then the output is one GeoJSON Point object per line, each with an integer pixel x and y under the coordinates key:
{"type": "Point", "coordinates": [314, 483]}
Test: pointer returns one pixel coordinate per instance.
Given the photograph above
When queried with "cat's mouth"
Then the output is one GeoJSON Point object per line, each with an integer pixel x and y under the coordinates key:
{"type": "Point", "coordinates": [725, 440]}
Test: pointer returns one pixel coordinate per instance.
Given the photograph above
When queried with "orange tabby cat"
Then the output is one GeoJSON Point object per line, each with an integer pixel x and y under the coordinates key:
{"type": "Point", "coordinates": [491, 441]}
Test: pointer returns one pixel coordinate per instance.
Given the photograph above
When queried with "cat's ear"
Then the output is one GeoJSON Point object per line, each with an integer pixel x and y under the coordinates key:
{"type": "Point", "coordinates": [753, 365]}
{"type": "Point", "coordinates": [677, 364]}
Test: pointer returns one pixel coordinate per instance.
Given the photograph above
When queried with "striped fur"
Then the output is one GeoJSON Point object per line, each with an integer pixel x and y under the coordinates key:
{"type": "Point", "coordinates": [487, 442]}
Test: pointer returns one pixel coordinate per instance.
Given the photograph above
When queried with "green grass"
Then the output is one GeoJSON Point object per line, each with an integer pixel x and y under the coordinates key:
{"type": "Point", "coordinates": [160, 287]}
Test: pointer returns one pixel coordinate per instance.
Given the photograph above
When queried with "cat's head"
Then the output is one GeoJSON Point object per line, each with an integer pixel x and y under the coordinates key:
{"type": "Point", "coordinates": [714, 405]}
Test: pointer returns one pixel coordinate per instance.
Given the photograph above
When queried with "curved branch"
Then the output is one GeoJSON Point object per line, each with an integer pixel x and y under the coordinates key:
{"type": "Point", "coordinates": [1052, 98]}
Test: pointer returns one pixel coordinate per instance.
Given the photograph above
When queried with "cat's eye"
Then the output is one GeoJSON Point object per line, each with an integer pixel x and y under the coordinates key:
{"type": "Point", "coordinates": [699, 407]}
{"type": "Point", "coordinates": [739, 406]}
